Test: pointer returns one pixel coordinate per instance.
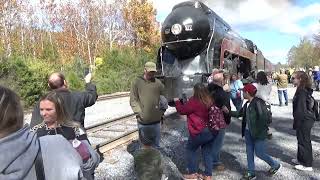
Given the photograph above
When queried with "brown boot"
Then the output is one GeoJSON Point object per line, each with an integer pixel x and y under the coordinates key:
{"type": "Point", "coordinates": [203, 177]}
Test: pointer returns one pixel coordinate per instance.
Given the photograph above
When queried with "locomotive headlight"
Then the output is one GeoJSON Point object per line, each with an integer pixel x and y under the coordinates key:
{"type": "Point", "coordinates": [176, 29]}
{"type": "Point", "coordinates": [185, 78]}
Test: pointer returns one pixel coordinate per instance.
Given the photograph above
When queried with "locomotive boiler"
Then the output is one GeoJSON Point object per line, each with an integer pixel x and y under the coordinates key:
{"type": "Point", "coordinates": [194, 41]}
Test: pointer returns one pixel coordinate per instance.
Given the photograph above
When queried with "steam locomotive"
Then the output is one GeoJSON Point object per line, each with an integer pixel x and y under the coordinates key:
{"type": "Point", "coordinates": [194, 41]}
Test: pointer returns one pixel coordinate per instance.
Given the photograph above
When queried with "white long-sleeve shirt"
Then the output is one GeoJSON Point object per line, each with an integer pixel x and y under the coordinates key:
{"type": "Point", "coordinates": [263, 91]}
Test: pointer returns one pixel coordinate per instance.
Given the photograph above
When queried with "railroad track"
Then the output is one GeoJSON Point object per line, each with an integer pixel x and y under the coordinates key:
{"type": "Point", "coordinates": [113, 96]}
{"type": "Point", "coordinates": [109, 134]}
{"type": "Point", "coordinates": [112, 133]}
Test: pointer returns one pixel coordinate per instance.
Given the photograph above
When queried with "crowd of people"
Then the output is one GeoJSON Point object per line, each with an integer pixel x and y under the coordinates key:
{"type": "Point", "coordinates": [209, 114]}
{"type": "Point", "coordinates": [55, 145]}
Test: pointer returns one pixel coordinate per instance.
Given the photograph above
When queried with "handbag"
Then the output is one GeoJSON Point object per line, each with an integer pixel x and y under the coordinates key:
{"type": "Point", "coordinates": [81, 149]}
{"type": "Point", "coordinates": [238, 94]}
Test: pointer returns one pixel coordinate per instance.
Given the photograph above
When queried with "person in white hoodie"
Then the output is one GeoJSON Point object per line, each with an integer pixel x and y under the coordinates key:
{"type": "Point", "coordinates": [24, 156]}
{"type": "Point", "coordinates": [264, 88]}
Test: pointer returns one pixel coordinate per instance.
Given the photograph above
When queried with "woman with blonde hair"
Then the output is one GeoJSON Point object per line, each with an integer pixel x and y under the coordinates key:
{"type": "Point", "coordinates": [25, 156]}
{"type": "Point", "coordinates": [57, 121]}
{"type": "Point", "coordinates": [197, 111]}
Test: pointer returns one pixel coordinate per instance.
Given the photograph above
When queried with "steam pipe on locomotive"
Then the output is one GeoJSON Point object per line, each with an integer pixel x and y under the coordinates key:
{"type": "Point", "coordinates": [194, 41]}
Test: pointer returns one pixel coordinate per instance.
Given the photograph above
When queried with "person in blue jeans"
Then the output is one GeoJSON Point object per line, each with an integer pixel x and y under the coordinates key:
{"type": "Point", "coordinates": [254, 129]}
{"type": "Point", "coordinates": [282, 84]}
{"type": "Point", "coordinates": [236, 94]}
{"type": "Point", "coordinates": [216, 150]}
{"type": "Point", "coordinates": [197, 111]}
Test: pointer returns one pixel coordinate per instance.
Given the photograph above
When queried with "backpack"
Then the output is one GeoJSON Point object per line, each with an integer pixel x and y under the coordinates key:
{"type": "Point", "coordinates": [315, 106]}
{"type": "Point", "coordinates": [264, 109]}
{"type": "Point", "coordinates": [216, 119]}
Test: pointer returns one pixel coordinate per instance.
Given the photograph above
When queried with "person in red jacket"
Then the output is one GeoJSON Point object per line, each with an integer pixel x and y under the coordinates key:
{"type": "Point", "coordinates": [197, 111]}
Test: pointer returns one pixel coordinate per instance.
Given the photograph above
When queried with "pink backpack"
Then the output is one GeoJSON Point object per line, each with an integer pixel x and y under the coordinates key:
{"type": "Point", "coordinates": [216, 119]}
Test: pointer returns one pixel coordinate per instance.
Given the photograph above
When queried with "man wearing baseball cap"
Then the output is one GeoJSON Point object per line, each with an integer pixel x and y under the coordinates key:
{"type": "Point", "coordinates": [144, 100]}
{"type": "Point", "coordinates": [254, 129]}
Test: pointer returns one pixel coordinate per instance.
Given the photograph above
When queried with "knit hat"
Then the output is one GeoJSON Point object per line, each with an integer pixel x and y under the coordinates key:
{"type": "Point", "coordinates": [250, 88]}
{"type": "Point", "coordinates": [147, 136]}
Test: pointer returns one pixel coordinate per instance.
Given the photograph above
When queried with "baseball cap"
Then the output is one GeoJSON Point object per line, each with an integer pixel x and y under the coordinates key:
{"type": "Point", "coordinates": [150, 66]}
{"type": "Point", "coordinates": [250, 88]}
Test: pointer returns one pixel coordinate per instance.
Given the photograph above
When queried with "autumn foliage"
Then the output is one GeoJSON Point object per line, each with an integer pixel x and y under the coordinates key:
{"type": "Point", "coordinates": [39, 37]}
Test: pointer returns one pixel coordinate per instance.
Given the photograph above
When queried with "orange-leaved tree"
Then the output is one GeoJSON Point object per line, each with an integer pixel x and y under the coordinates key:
{"type": "Point", "coordinates": [140, 15]}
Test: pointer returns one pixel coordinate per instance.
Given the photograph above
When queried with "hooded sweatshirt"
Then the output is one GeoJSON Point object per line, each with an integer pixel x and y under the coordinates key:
{"type": "Point", "coordinates": [144, 100]}
{"type": "Point", "coordinates": [19, 151]}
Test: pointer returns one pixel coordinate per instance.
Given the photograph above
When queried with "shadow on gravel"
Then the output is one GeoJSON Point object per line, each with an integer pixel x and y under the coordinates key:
{"type": "Point", "coordinates": [281, 124]}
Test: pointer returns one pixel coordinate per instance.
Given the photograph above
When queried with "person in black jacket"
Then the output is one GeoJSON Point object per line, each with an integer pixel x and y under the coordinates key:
{"type": "Point", "coordinates": [303, 120]}
{"type": "Point", "coordinates": [74, 102]}
{"type": "Point", "coordinates": [222, 98]}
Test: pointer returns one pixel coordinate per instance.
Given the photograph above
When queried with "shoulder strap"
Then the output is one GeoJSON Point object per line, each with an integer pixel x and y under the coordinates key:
{"type": "Point", "coordinates": [39, 165]}
{"type": "Point", "coordinates": [259, 107]}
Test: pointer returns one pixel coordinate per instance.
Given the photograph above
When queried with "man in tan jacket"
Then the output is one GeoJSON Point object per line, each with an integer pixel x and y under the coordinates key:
{"type": "Point", "coordinates": [282, 84]}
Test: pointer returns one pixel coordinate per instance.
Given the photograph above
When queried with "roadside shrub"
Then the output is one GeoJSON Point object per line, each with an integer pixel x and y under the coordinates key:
{"type": "Point", "coordinates": [74, 73]}
{"type": "Point", "coordinates": [119, 68]}
{"type": "Point", "coordinates": [27, 77]}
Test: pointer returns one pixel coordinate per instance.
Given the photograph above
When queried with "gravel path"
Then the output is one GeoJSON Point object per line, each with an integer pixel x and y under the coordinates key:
{"type": "Point", "coordinates": [119, 163]}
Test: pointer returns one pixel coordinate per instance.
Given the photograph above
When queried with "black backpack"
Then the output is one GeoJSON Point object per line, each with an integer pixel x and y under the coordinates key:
{"type": "Point", "coordinates": [264, 109]}
{"type": "Point", "coordinates": [315, 106]}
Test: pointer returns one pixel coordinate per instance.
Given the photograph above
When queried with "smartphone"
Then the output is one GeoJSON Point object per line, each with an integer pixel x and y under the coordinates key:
{"type": "Point", "coordinates": [86, 71]}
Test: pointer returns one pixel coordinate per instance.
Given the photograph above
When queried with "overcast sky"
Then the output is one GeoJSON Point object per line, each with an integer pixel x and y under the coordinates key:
{"type": "Point", "coordinates": [274, 25]}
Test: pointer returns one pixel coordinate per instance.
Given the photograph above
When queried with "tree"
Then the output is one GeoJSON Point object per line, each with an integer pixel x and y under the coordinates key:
{"type": "Point", "coordinates": [140, 15]}
{"type": "Point", "coordinates": [304, 55]}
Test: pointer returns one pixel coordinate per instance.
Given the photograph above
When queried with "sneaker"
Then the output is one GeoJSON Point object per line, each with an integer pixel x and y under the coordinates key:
{"type": "Point", "coordinates": [273, 171]}
{"type": "Point", "coordinates": [191, 176]}
{"type": "Point", "coordinates": [295, 161]}
{"type": "Point", "coordinates": [303, 168]}
{"type": "Point", "coordinates": [220, 167]}
{"type": "Point", "coordinates": [248, 176]}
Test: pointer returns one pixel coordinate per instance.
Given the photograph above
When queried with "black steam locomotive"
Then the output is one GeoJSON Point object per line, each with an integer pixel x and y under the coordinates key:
{"type": "Point", "coordinates": [194, 41]}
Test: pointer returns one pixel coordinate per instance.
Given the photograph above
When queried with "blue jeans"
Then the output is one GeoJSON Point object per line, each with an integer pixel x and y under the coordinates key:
{"type": "Point", "coordinates": [237, 103]}
{"type": "Point", "coordinates": [316, 84]}
{"type": "Point", "coordinates": [203, 140]}
{"type": "Point", "coordinates": [217, 146]}
{"type": "Point", "coordinates": [285, 94]}
{"type": "Point", "coordinates": [258, 147]}
{"type": "Point", "coordinates": [156, 128]}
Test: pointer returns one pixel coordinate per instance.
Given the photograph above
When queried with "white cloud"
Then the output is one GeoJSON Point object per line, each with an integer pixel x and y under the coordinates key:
{"type": "Point", "coordinates": [282, 16]}
{"type": "Point", "coordinates": [276, 56]}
